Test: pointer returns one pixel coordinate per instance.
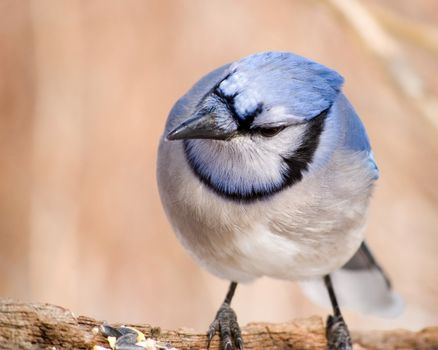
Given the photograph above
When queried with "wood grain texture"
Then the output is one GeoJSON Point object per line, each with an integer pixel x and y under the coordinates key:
{"type": "Point", "coordinates": [45, 326]}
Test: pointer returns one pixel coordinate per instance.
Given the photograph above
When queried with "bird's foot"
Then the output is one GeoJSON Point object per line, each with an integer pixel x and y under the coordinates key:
{"type": "Point", "coordinates": [226, 323]}
{"type": "Point", "coordinates": [337, 333]}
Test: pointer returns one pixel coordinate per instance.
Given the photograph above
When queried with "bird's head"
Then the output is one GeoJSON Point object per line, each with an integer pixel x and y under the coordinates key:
{"type": "Point", "coordinates": [251, 128]}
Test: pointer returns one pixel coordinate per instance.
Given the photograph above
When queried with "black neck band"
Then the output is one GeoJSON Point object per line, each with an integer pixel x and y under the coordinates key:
{"type": "Point", "coordinates": [296, 165]}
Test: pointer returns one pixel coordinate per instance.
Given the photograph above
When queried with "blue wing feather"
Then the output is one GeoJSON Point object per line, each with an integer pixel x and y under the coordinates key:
{"type": "Point", "coordinates": [356, 137]}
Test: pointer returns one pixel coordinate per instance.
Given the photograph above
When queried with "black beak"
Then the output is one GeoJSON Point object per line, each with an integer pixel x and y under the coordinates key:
{"type": "Point", "coordinates": [202, 127]}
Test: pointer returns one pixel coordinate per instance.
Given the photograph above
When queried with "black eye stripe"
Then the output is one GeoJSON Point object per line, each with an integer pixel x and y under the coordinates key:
{"type": "Point", "coordinates": [296, 165]}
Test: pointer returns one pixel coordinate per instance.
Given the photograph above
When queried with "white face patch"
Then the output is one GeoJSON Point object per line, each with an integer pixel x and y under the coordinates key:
{"type": "Point", "coordinates": [262, 92]}
{"type": "Point", "coordinates": [246, 165]}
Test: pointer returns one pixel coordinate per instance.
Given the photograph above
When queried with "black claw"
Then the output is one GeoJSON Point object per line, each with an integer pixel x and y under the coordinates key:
{"type": "Point", "coordinates": [212, 330]}
{"type": "Point", "coordinates": [226, 335]}
{"type": "Point", "coordinates": [235, 332]}
{"type": "Point", "coordinates": [226, 323]}
{"type": "Point", "coordinates": [228, 345]}
{"type": "Point", "coordinates": [239, 343]}
{"type": "Point", "coordinates": [338, 335]}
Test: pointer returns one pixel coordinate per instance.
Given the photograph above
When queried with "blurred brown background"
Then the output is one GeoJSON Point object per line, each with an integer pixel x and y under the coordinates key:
{"type": "Point", "coordinates": [85, 88]}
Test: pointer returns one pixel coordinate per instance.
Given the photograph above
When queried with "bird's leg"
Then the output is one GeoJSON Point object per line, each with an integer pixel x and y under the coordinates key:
{"type": "Point", "coordinates": [226, 323]}
{"type": "Point", "coordinates": [337, 333]}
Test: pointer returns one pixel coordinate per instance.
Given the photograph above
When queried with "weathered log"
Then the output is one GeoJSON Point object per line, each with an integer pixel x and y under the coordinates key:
{"type": "Point", "coordinates": [45, 326]}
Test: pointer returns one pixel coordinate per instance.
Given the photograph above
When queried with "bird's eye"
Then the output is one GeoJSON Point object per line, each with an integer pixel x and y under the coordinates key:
{"type": "Point", "coordinates": [270, 132]}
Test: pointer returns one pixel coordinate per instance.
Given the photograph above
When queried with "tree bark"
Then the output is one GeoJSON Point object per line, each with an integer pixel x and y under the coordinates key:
{"type": "Point", "coordinates": [45, 326]}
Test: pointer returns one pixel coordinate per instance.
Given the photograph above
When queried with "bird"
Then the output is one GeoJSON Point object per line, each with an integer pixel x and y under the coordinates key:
{"type": "Point", "coordinates": [265, 169]}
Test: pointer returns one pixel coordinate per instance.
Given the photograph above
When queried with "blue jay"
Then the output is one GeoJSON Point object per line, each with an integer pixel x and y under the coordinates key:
{"type": "Point", "coordinates": [265, 169]}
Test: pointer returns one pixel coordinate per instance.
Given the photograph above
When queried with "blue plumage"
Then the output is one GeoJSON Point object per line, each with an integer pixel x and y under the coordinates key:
{"type": "Point", "coordinates": [268, 173]}
{"type": "Point", "coordinates": [311, 86]}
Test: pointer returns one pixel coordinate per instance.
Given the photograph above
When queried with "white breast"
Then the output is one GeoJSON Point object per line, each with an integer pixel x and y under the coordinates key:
{"type": "Point", "coordinates": [310, 229]}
